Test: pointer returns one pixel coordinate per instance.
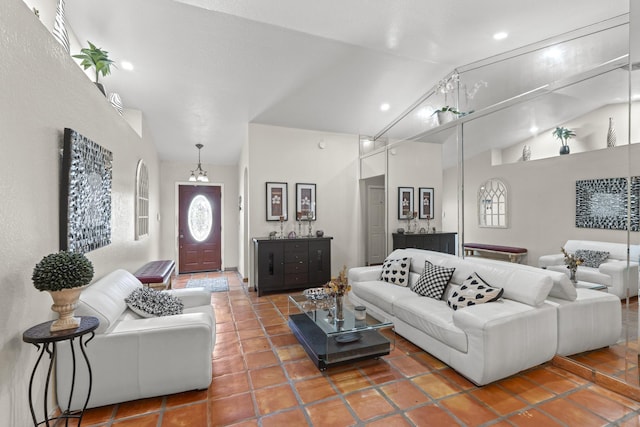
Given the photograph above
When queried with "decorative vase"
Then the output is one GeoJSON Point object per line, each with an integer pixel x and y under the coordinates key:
{"type": "Point", "coordinates": [564, 149]}
{"type": "Point", "coordinates": [444, 117]}
{"type": "Point", "coordinates": [526, 153]}
{"type": "Point", "coordinates": [65, 302]}
{"type": "Point", "coordinates": [611, 134]}
{"type": "Point", "coordinates": [572, 275]}
{"type": "Point", "coordinates": [115, 101]}
{"type": "Point", "coordinates": [60, 28]}
{"type": "Point", "coordinates": [339, 308]}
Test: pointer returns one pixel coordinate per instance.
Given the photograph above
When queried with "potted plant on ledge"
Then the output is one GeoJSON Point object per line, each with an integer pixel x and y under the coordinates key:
{"type": "Point", "coordinates": [98, 59]}
{"type": "Point", "coordinates": [64, 275]}
{"type": "Point", "coordinates": [564, 134]}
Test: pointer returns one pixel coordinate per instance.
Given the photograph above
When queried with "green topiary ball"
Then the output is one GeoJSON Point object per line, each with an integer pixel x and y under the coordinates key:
{"type": "Point", "coordinates": [62, 270]}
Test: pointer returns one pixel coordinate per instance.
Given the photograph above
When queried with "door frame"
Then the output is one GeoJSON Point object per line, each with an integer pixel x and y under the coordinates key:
{"type": "Point", "coordinates": [176, 227]}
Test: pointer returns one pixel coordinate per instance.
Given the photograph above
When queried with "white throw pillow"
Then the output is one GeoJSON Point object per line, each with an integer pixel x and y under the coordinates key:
{"type": "Point", "coordinates": [396, 271]}
{"type": "Point", "coordinates": [473, 291]}
{"type": "Point", "coordinates": [148, 302]}
{"type": "Point", "coordinates": [433, 280]}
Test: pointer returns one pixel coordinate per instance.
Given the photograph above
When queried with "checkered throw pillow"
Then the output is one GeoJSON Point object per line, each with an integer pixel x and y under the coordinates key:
{"type": "Point", "coordinates": [473, 291]}
{"type": "Point", "coordinates": [396, 271]}
{"type": "Point", "coordinates": [433, 280]}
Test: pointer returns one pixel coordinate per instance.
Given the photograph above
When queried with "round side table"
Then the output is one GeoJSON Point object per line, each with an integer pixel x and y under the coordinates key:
{"type": "Point", "coordinates": [46, 342]}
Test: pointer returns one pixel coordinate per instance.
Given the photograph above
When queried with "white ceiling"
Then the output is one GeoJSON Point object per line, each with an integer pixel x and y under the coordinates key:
{"type": "Point", "coordinates": [204, 69]}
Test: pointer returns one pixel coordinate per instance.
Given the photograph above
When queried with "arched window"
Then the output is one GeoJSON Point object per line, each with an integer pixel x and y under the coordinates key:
{"type": "Point", "coordinates": [492, 204]}
{"type": "Point", "coordinates": [142, 200]}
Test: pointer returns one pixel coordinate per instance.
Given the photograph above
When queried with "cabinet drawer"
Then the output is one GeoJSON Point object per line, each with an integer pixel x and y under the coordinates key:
{"type": "Point", "coordinates": [294, 268]}
{"type": "Point", "coordinates": [296, 257]}
{"type": "Point", "coordinates": [296, 246]}
{"type": "Point", "coordinates": [295, 279]}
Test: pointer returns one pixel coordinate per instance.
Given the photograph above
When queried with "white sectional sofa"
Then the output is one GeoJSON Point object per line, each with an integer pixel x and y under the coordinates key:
{"type": "Point", "coordinates": [134, 357]}
{"type": "Point", "coordinates": [614, 272]}
{"type": "Point", "coordinates": [494, 340]}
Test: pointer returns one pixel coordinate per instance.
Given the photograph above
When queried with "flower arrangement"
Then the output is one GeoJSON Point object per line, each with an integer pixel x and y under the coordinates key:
{"type": "Point", "coordinates": [338, 286]}
{"type": "Point", "coordinates": [572, 263]}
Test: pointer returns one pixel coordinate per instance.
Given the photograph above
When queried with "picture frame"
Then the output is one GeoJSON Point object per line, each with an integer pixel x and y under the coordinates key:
{"type": "Point", "coordinates": [306, 201]}
{"type": "Point", "coordinates": [276, 198]}
{"type": "Point", "coordinates": [405, 202]}
{"type": "Point", "coordinates": [426, 203]}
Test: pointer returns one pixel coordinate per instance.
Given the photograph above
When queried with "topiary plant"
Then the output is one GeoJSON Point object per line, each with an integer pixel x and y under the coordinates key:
{"type": "Point", "coordinates": [97, 58]}
{"type": "Point", "coordinates": [62, 270]}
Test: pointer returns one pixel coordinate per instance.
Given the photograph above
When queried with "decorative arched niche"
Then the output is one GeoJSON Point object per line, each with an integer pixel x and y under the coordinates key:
{"type": "Point", "coordinates": [493, 204]}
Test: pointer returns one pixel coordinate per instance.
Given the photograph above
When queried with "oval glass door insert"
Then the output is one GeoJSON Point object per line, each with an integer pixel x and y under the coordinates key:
{"type": "Point", "coordinates": [200, 218]}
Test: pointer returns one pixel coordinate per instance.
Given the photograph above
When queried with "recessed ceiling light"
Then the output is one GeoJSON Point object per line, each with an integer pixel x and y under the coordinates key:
{"type": "Point", "coordinates": [126, 65]}
{"type": "Point", "coordinates": [384, 107]}
{"type": "Point", "coordinates": [533, 129]}
{"type": "Point", "coordinates": [500, 36]}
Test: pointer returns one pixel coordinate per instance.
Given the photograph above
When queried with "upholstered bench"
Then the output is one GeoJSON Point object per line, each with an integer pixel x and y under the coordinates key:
{"type": "Point", "coordinates": [156, 274]}
{"type": "Point", "coordinates": [514, 254]}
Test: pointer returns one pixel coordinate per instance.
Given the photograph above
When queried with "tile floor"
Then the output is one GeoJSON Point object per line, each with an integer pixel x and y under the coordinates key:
{"type": "Point", "coordinates": [262, 377]}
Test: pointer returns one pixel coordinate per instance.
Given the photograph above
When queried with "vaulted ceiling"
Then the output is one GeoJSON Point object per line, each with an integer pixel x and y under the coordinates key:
{"type": "Point", "coordinates": [204, 69]}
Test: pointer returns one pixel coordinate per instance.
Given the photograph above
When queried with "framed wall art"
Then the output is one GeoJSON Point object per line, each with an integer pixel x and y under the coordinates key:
{"type": "Point", "coordinates": [277, 197]}
{"type": "Point", "coordinates": [85, 194]}
{"type": "Point", "coordinates": [602, 203]}
{"type": "Point", "coordinates": [405, 202]}
{"type": "Point", "coordinates": [426, 201]}
{"type": "Point", "coordinates": [306, 201]}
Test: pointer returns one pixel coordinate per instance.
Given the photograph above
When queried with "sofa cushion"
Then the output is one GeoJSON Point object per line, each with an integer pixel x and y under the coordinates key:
{"type": "Point", "coordinates": [473, 291]}
{"type": "Point", "coordinates": [433, 280]}
{"type": "Point", "coordinates": [587, 274]}
{"type": "Point", "coordinates": [148, 302]}
{"type": "Point", "coordinates": [379, 293]}
{"type": "Point", "coordinates": [591, 258]}
{"type": "Point", "coordinates": [396, 271]}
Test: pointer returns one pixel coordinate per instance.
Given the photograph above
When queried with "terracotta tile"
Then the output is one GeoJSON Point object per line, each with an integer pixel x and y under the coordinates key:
{"type": "Point", "coordinates": [629, 403]}
{"type": "Point", "coordinates": [525, 389]}
{"type": "Point", "coordinates": [368, 404]}
{"type": "Point", "coordinates": [225, 327]}
{"type": "Point", "coordinates": [277, 329]}
{"type": "Point", "coordinates": [228, 365]}
{"type": "Point", "coordinates": [497, 399]}
{"type": "Point", "coordinates": [228, 385]}
{"type": "Point", "coordinates": [468, 410]}
{"type": "Point", "coordinates": [250, 333]}
{"type": "Point", "coordinates": [634, 421]}
{"type": "Point", "coordinates": [571, 414]}
{"type": "Point", "coordinates": [301, 369]}
{"type": "Point", "coordinates": [435, 386]}
{"type": "Point", "coordinates": [98, 415]}
{"type": "Point", "coordinates": [431, 415]}
{"type": "Point", "coordinates": [532, 418]}
{"type": "Point", "coordinates": [291, 418]}
{"type": "Point", "coordinates": [550, 380]}
{"type": "Point", "coordinates": [186, 397]}
{"type": "Point", "coordinates": [392, 421]}
{"type": "Point", "coordinates": [409, 366]}
{"type": "Point", "coordinates": [247, 324]}
{"type": "Point", "coordinates": [229, 410]}
{"type": "Point", "coordinates": [566, 374]}
{"type": "Point", "coordinates": [457, 379]}
{"type": "Point", "coordinates": [349, 380]}
{"type": "Point", "coordinates": [253, 345]}
{"type": "Point", "coordinates": [314, 389]}
{"type": "Point", "coordinates": [186, 416]}
{"type": "Point", "coordinates": [226, 337]}
{"type": "Point", "coordinates": [265, 377]}
{"type": "Point", "coordinates": [294, 352]}
{"type": "Point", "coordinates": [284, 340]}
{"type": "Point", "coordinates": [244, 315]}
{"type": "Point", "coordinates": [600, 405]}
{"type": "Point", "coordinates": [404, 394]}
{"type": "Point", "coordinates": [226, 349]}
{"type": "Point", "coordinates": [150, 420]}
{"type": "Point", "coordinates": [330, 413]}
{"type": "Point", "coordinates": [138, 407]}
{"type": "Point", "coordinates": [273, 320]}
{"type": "Point", "coordinates": [380, 372]}
{"type": "Point", "coordinates": [429, 361]}
{"type": "Point", "coordinates": [406, 347]}
{"type": "Point", "coordinates": [261, 359]}
{"type": "Point", "coordinates": [274, 399]}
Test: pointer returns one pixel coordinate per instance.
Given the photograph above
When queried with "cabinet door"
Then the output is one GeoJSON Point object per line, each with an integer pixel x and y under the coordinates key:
{"type": "Point", "coordinates": [448, 243]}
{"type": "Point", "coordinates": [270, 265]}
{"type": "Point", "coordinates": [399, 241]}
{"type": "Point", "coordinates": [319, 262]}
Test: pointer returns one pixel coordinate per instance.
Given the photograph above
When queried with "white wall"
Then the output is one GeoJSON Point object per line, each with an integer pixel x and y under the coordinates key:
{"type": "Point", "coordinates": [176, 172]}
{"type": "Point", "coordinates": [277, 154]}
{"type": "Point", "coordinates": [42, 92]}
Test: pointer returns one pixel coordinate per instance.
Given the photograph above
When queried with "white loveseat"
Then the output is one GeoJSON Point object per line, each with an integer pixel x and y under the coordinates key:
{"type": "Point", "coordinates": [490, 341]}
{"type": "Point", "coordinates": [614, 273]}
{"type": "Point", "coordinates": [134, 357]}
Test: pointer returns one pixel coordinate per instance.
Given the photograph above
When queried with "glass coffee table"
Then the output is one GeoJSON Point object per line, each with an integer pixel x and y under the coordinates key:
{"type": "Point", "coordinates": [329, 342]}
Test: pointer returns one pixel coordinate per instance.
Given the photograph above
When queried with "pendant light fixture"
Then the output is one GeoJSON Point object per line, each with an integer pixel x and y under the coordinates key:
{"type": "Point", "coordinates": [198, 174]}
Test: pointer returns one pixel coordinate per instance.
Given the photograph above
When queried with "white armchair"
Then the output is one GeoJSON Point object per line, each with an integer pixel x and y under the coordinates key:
{"type": "Point", "coordinates": [614, 272]}
{"type": "Point", "coordinates": [133, 357]}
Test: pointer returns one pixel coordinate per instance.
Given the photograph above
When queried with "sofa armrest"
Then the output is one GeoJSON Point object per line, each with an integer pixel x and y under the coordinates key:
{"type": "Point", "coordinates": [548, 260]}
{"type": "Point", "coordinates": [191, 297]}
{"type": "Point", "coordinates": [619, 278]}
{"type": "Point", "coordinates": [365, 274]}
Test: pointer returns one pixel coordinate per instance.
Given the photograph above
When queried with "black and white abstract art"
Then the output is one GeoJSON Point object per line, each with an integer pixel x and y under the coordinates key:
{"type": "Point", "coordinates": [85, 194]}
{"type": "Point", "coordinates": [604, 203]}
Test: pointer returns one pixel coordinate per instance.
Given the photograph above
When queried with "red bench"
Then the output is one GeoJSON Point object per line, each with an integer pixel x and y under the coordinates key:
{"type": "Point", "coordinates": [156, 274]}
{"type": "Point", "coordinates": [513, 253]}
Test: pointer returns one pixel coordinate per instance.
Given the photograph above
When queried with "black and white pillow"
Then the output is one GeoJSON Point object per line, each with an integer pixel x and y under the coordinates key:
{"type": "Point", "coordinates": [591, 258]}
{"type": "Point", "coordinates": [473, 291]}
{"type": "Point", "coordinates": [148, 302]}
{"type": "Point", "coordinates": [433, 280]}
{"type": "Point", "coordinates": [396, 271]}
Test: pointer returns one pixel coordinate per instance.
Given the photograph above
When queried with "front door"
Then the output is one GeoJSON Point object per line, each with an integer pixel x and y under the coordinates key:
{"type": "Point", "coordinates": [199, 241]}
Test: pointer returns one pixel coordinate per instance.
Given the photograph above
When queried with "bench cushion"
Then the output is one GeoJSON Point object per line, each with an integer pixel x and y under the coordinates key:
{"type": "Point", "coordinates": [155, 271]}
{"type": "Point", "coordinates": [496, 248]}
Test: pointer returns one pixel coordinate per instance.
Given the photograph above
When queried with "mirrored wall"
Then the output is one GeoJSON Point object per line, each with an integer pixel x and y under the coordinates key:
{"type": "Point", "coordinates": [496, 121]}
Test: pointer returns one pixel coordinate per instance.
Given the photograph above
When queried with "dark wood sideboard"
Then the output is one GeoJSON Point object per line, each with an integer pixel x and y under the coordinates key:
{"type": "Point", "coordinates": [439, 242]}
{"type": "Point", "coordinates": [288, 264]}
